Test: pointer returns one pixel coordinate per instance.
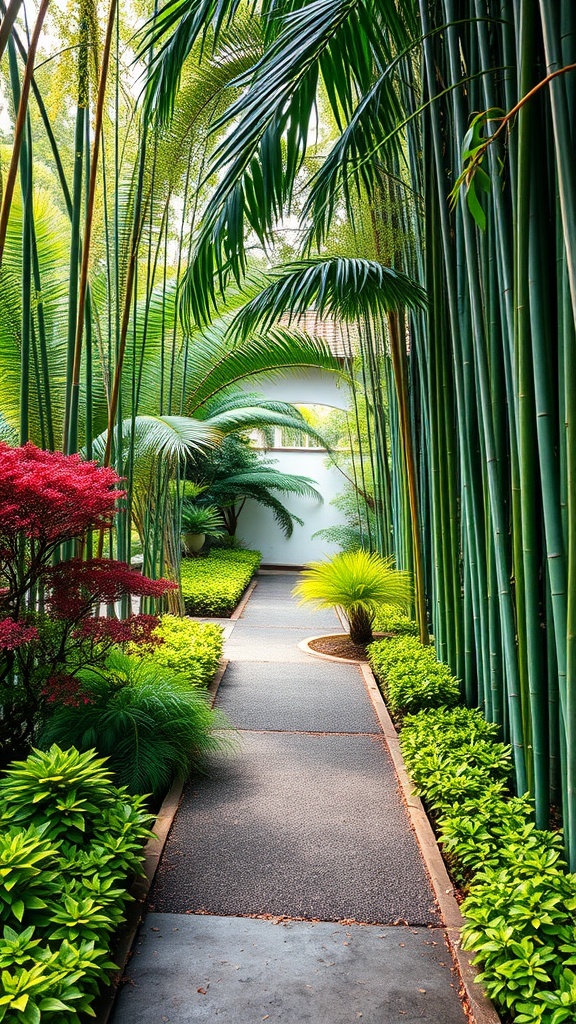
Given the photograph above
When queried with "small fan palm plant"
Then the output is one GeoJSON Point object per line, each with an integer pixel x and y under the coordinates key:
{"type": "Point", "coordinates": [357, 583]}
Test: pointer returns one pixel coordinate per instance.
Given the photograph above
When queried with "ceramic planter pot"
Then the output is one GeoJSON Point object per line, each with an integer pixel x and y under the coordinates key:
{"type": "Point", "coordinates": [193, 542]}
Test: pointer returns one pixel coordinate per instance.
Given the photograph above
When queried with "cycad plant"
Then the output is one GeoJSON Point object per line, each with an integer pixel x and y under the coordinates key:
{"type": "Point", "coordinates": [148, 720]}
{"type": "Point", "coordinates": [201, 519]}
{"type": "Point", "coordinates": [357, 583]}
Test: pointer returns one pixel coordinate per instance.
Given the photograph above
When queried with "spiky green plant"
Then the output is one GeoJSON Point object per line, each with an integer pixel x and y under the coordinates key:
{"type": "Point", "coordinates": [357, 583]}
{"type": "Point", "coordinates": [148, 720]}
{"type": "Point", "coordinates": [202, 519]}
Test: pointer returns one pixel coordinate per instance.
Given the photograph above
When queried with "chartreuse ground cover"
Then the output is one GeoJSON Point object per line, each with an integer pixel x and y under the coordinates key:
{"type": "Point", "coordinates": [214, 585]}
{"type": "Point", "coordinates": [70, 847]}
{"type": "Point", "coordinates": [520, 899]}
{"type": "Point", "coordinates": [192, 649]}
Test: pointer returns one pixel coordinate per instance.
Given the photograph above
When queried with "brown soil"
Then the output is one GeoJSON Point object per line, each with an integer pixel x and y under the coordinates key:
{"type": "Point", "coordinates": [340, 646]}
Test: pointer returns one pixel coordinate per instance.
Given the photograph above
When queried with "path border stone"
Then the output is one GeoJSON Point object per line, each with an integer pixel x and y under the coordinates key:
{"type": "Point", "coordinates": [480, 1007]}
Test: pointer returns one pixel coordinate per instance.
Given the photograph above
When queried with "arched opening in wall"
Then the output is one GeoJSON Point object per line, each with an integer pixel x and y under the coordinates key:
{"type": "Point", "coordinates": [329, 425]}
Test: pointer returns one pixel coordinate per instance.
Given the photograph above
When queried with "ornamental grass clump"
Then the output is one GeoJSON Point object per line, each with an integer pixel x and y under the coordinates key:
{"type": "Point", "coordinates": [148, 721]}
{"type": "Point", "coordinates": [357, 583]}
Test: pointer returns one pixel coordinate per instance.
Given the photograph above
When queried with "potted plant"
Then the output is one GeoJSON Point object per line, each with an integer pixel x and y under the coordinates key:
{"type": "Point", "coordinates": [199, 522]}
{"type": "Point", "coordinates": [357, 583]}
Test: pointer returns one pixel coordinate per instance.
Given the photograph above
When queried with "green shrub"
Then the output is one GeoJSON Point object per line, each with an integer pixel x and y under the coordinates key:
{"type": "Point", "coordinates": [65, 876]}
{"type": "Point", "coordinates": [188, 648]}
{"type": "Point", "coordinates": [149, 722]}
{"type": "Point", "coordinates": [389, 619]}
{"type": "Point", "coordinates": [521, 900]}
{"type": "Point", "coordinates": [411, 677]}
{"type": "Point", "coordinates": [215, 584]}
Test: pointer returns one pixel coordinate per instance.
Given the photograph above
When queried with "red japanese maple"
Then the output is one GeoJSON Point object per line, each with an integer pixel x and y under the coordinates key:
{"type": "Point", "coordinates": [75, 587]}
{"type": "Point", "coordinates": [53, 497]}
{"type": "Point", "coordinates": [49, 623]}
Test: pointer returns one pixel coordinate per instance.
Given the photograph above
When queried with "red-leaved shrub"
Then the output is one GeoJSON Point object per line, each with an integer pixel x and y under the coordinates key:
{"type": "Point", "coordinates": [50, 621]}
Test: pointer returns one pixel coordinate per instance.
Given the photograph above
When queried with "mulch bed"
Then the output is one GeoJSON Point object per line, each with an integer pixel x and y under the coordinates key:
{"type": "Point", "coordinates": [339, 646]}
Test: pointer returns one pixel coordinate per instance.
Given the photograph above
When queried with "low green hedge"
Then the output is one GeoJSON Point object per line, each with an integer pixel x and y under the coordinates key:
{"type": "Point", "coordinates": [215, 584]}
{"type": "Point", "coordinates": [192, 649]}
{"type": "Point", "coordinates": [521, 901]}
{"type": "Point", "coordinates": [389, 619]}
{"type": "Point", "coordinates": [70, 846]}
{"type": "Point", "coordinates": [410, 676]}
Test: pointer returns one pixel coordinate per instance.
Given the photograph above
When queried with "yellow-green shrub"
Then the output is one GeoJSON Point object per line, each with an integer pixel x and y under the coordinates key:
{"type": "Point", "coordinates": [191, 649]}
{"type": "Point", "coordinates": [214, 585]}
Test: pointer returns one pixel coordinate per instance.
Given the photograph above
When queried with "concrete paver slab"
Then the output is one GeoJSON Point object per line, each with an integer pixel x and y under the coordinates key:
{"type": "Point", "coordinates": [256, 643]}
{"type": "Point", "coordinates": [299, 825]}
{"type": "Point", "coordinates": [266, 696]}
{"type": "Point", "coordinates": [200, 969]}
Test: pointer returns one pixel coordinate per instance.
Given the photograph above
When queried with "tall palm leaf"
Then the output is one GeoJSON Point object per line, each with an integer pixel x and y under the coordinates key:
{"type": "Point", "coordinates": [341, 43]}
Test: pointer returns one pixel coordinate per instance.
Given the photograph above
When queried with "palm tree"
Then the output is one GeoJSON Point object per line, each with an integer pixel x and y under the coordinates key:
{"type": "Point", "coordinates": [234, 473]}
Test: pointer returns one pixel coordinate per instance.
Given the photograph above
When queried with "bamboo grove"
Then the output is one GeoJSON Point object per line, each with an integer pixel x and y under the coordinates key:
{"type": "Point", "coordinates": [429, 148]}
{"type": "Point", "coordinates": [496, 381]}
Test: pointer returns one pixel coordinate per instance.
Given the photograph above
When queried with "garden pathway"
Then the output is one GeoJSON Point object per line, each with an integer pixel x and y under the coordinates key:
{"type": "Point", "coordinates": [291, 887]}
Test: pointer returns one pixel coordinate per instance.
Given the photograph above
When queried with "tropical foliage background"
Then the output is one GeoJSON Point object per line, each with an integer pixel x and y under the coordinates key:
{"type": "Point", "coordinates": [408, 170]}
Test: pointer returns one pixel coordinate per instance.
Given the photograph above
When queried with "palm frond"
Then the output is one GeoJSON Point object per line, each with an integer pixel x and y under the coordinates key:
{"type": "Point", "coordinates": [171, 36]}
{"type": "Point", "coordinates": [167, 437]}
{"type": "Point", "coordinates": [347, 288]}
{"type": "Point", "coordinates": [251, 417]}
{"type": "Point", "coordinates": [332, 39]}
{"type": "Point", "coordinates": [270, 478]}
{"type": "Point", "coordinates": [217, 363]}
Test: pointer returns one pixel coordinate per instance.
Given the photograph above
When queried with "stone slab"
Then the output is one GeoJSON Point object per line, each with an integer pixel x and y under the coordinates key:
{"type": "Point", "coordinates": [194, 969]}
{"type": "Point", "coordinates": [258, 643]}
{"type": "Point", "coordinates": [309, 697]}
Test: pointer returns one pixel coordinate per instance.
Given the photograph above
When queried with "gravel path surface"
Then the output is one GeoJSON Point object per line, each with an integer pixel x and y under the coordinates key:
{"type": "Point", "coordinates": [305, 817]}
{"type": "Point", "coordinates": [291, 887]}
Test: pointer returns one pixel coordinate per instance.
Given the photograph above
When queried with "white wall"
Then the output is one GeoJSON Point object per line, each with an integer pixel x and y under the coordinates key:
{"type": "Point", "coordinates": [303, 387]}
{"type": "Point", "coordinates": [257, 527]}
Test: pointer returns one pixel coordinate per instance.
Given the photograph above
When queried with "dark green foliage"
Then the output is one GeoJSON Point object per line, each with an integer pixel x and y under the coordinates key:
{"type": "Point", "coordinates": [215, 584]}
{"type": "Point", "coordinates": [411, 676]}
{"type": "Point", "coordinates": [392, 620]}
{"type": "Point", "coordinates": [234, 472]}
{"type": "Point", "coordinates": [147, 719]}
{"type": "Point", "coordinates": [521, 900]}
{"type": "Point", "coordinates": [72, 844]}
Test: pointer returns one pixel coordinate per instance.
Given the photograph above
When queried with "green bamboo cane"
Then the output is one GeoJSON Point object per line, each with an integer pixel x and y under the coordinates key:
{"type": "Point", "coordinates": [10, 181]}
{"type": "Point", "coordinates": [460, 361]}
{"type": "Point", "coordinates": [515, 689]}
{"type": "Point", "coordinates": [567, 202]}
{"type": "Point", "coordinates": [77, 205]}
{"type": "Point", "coordinates": [80, 310]}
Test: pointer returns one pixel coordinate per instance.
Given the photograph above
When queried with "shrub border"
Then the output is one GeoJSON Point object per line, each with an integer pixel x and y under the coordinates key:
{"type": "Point", "coordinates": [480, 1006]}
{"type": "Point", "coordinates": [153, 850]}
